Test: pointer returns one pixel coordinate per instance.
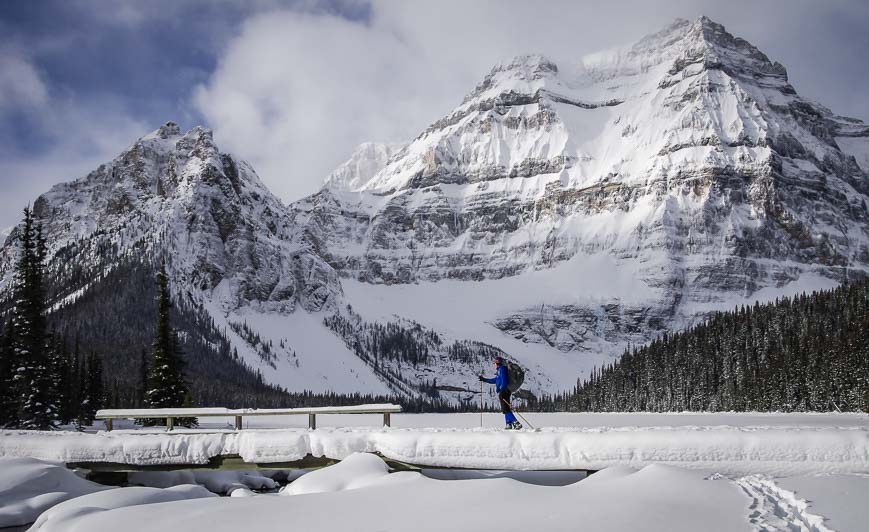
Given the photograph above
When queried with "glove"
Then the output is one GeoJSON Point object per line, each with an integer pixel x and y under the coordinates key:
{"type": "Point", "coordinates": [481, 378]}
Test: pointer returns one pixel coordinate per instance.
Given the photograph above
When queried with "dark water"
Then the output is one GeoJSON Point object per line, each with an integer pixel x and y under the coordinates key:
{"type": "Point", "coordinates": [539, 478]}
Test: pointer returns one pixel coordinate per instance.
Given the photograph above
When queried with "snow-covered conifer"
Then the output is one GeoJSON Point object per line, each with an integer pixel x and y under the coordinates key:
{"type": "Point", "coordinates": [166, 385]}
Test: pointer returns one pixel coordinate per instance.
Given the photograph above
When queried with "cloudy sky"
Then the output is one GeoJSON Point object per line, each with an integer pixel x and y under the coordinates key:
{"type": "Point", "coordinates": [294, 86]}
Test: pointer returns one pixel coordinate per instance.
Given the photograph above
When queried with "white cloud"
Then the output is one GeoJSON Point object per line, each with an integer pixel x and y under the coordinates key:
{"type": "Point", "coordinates": [294, 93]}
{"type": "Point", "coordinates": [84, 138]}
{"type": "Point", "coordinates": [20, 82]}
{"type": "Point", "coordinates": [80, 135]}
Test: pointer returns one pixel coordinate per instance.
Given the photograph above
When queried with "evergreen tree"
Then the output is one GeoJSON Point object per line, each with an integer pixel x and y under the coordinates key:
{"type": "Point", "coordinates": [31, 349]}
{"type": "Point", "coordinates": [76, 384]}
{"type": "Point", "coordinates": [8, 403]}
{"type": "Point", "coordinates": [143, 380]}
{"type": "Point", "coordinates": [93, 390]}
{"type": "Point", "coordinates": [64, 380]}
{"type": "Point", "coordinates": [84, 417]}
{"type": "Point", "coordinates": [806, 353]}
{"type": "Point", "coordinates": [166, 385]}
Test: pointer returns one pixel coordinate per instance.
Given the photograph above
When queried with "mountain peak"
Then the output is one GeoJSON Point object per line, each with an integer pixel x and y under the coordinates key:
{"type": "Point", "coordinates": [522, 68]}
{"type": "Point", "coordinates": [169, 129]}
{"type": "Point", "coordinates": [705, 22]}
{"type": "Point", "coordinates": [530, 66]}
{"type": "Point", "coordinates": [706, 42]}
{"type": "Point", "coordinates": [166, 131]}
{"type": "Point", "coordinates": [712, 33]}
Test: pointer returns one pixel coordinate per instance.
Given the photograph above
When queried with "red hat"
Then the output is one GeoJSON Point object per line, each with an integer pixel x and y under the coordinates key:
{"type": "Point", "coordinates": [499, 360]}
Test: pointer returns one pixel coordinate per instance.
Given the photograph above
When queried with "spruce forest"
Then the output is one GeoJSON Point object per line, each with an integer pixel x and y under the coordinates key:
{"type": "Point", "coordinates": [807, 353]}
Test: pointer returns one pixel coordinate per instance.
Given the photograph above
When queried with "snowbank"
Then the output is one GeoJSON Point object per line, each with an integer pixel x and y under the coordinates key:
{"type": "Point", "coordinates": [222, 482]}
{"type": "Point", "coordinates": [654, 498]}
{"type": "Point", "coordinates": [356, 471]}
{"type": "Point", "coordinates": [359, 494]}
{"type": "Point", "coordinates": [28, 487]}
{"type": "Point", "coordinates": [67, 515]}
{"type": "Point", "coordinates": [727, 450]}
{"type": "Point", "coordinates": [142, 448]}
{"type": "Point", "coordinates": [772, 450]}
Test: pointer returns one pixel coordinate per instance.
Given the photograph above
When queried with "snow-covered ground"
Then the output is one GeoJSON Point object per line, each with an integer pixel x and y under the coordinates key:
{"type": "Point", "coordinates": [692, 471]}
{"type": "Point", "coordinates": [360, 494]}
{"type": "Point", "coordinates": [28, 487]}
{"type": "Point", "coordinates": [732, 444]}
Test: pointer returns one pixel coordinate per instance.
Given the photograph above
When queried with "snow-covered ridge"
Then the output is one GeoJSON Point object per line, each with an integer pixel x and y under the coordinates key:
{"type": "Point", "coordinates": [528, 87]}
{"type": "Point", "coordinates": [368, 159]}
{"type": "Point", "coordinates": [229, 237]}
{"type": "Point", "coordinates": [687, 158]}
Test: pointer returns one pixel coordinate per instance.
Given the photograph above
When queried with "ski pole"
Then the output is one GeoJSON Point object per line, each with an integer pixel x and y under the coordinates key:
{"type": "Point", "coordinates": [518, 414]}
{"type": "Point", "coordinates": [481, 404]}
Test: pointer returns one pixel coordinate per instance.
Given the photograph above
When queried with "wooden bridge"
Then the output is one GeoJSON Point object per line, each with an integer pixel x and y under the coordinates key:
{"type": "Point", "coordinates": [171, 414]}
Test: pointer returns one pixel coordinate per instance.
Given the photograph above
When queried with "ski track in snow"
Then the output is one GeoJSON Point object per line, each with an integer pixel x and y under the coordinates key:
{"type": "Point", "coordinates": [774, 508]}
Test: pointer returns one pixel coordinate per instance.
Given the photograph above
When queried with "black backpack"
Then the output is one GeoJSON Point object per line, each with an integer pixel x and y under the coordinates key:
{"type": "Point", "coordinates": [515, 376]}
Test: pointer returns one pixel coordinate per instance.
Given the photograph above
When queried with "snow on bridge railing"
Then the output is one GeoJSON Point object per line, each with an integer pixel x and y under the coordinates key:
{"type": "Point", "coordinates": [170, 414]}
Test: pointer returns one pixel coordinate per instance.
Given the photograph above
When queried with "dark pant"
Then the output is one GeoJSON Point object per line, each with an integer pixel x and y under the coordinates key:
{"type": "Point", "coordinates": [504, 399]}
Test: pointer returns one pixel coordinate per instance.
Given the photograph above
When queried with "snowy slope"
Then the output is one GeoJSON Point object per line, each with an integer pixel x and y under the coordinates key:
{"type": "Point", "coordinates": [367, 160]}
{"type": "Point", "coordinates": [313, 357]}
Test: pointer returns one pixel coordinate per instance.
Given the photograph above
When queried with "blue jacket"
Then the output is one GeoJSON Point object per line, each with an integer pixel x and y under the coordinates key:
{"type": "Point", "coordinates": [501, 380]}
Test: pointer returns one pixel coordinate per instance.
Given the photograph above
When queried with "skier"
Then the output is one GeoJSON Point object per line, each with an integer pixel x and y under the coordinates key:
{"type": "Point", "coordinates": [501, 380]}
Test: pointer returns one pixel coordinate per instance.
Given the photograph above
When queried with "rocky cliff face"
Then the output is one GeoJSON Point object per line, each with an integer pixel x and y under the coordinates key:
{"type": "Point", "coordinates": [687, 155]}
{"type": "Point", "coordinates": [223, 233]}
{"type": "Point", "coordinates": [558, 214]}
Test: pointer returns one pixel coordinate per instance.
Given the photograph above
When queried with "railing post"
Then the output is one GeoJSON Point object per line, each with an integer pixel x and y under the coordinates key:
{"type": "Point", "coordinates": [312, 421]}
{"type": "Point", "coordinates": [237, 422]}
{"type": "Point", "coordinates": [108, 424]}
{"type": "Point", "coordinates": [386, 419]}
{"type": "Point", "coordinates": [170, 422]}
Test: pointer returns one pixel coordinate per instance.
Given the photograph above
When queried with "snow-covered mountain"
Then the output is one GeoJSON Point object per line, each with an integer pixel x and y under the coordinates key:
{"type": "Point", "coordinates": [677, 176]}
{"type": "Point", "coordinates": [558, 214]}
{"type": "Point", "coordinates": [222, 230]}
{"type": "Point", "coordinates": [229, 243]}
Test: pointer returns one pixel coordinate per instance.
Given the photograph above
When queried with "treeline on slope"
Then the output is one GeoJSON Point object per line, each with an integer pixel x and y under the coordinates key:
{"type": "Point", "coordinates": [115, 319]}
{"type": "Point", "coordinates": [263, 348]}
{"type": "Point", "coordinates": [385, 347]}
{"type": "Point", "coordinates": [93, 349]}
{"type": "Point", "coordinates": [806, 353]}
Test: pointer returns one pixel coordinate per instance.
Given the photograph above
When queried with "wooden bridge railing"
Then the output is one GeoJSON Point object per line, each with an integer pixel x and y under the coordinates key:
{"type": "Point", "coordinates": [170, 414]}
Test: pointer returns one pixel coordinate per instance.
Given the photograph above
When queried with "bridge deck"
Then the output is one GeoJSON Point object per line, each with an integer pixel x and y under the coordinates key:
{"type": "Point", "coordinates": [171, 414]}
